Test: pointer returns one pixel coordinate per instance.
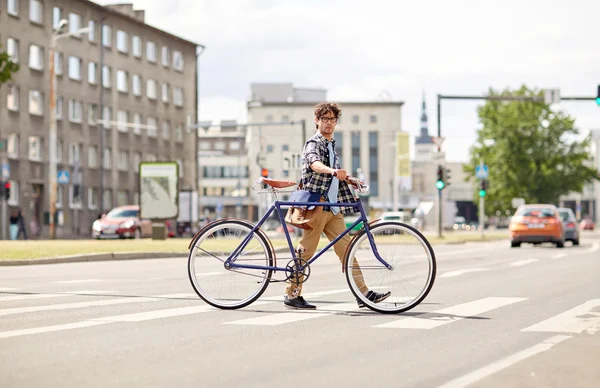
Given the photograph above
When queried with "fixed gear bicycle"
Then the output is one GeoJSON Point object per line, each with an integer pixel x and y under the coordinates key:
{"type": "Point", "coordinates": [232, 261]}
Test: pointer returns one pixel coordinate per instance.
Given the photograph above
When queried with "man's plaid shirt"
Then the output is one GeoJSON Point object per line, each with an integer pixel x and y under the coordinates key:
{"type": "Point", "coordinates": [316, 149]}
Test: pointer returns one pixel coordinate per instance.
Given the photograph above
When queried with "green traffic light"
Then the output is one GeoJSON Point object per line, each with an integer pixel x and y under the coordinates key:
{"type": "Point", "coordinates": [440, 185]}
{"type": "Point", "coordinates": [482, 193]}
{"type": "Point", "coordinates": [598, 100]}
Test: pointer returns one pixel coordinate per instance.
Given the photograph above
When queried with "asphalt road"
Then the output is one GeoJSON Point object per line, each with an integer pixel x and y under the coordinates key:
{"type": "Point", "coordinates": [496, 317]}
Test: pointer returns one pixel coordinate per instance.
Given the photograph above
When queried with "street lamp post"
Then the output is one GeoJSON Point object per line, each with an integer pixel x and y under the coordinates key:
{"type": "Point", "coordinates": [52, 139]}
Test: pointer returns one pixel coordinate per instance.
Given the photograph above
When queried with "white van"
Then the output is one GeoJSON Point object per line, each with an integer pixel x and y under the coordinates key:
{"type": "Point", "coordinates": [404, 217]}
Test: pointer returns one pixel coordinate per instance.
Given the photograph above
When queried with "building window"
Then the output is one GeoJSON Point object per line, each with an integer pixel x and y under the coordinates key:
{"type": "Point", "coordinates": [270, 148]}
{"type": "Point", "coordinates": [165, 92]}
{"type": "Point", "coordinates": [177, 60]}
{"type": "Point", "coordinates": [122, 198]}
{"type": "Point", "coordinates": [12, 148]}
{"type": "Point", "coordinates": [92, 68]}
{"type": "Point", "coordinates": [355, 119]}
{"type": "Point", "coordinates": [59, 197]}
{"type": "Point", "coordinates": [12, 100]}
{"type": "Point", "coordinates": [107, 199]}
{"type": "Point", "coordinates": [137, 121]}
{"type": "Point", "coordinates": [35, 148]}
{"type": "Point", "coordinates": [14, 193]}
{"type": "Point", "coordinates": [92, 156]}
{"type": "Point", "coordinates": [151, 51]}
{"type": "Point", "coordinates": [372, 119]}
{"type": "Point", "coordinates": [13, 7]}
{"type": "Point", "coordinates": [122, 40]}
{"type": "Point", "coordinates": [55, 17]}
{"type": "Point", "coordinates": [219, 145]}
{"type": "Point", "coordinates": [106, 117]}
{"type": "Point", "coordinates": [152, 127]}
{"type": "Point", "coordinates": [269, 118]}
{"type": "Point", "coordinates": [92, 32]}
{"type": "Point", "coordinates": [136, 48]}
{"type": "Point", "coordinates": [74, 154]}
{"type": "Point", "coordinates": [106, 36]}
{"type": "Point", "coordinates": [285, 147]}
{"type": "Point", "coordinates": [123, 119]}
{"type": "Point", "coordinates": [75, 111]}
{"type": "Point", "coordinates": [123, 162]}
{"type": "Point", "coordinates": [59, 150]}
{"type": "Point", "coordinates": [151, 89]}
{"type": "Point", "coordinates": [106, 76]}
{"type": "Point", "coordinates": [58, 108]}
{"type": "Point", "coordinates": [12, 49]}
{"type": "Point", "coordinates": [36, 11]}
{"type": "Point", "coordinates": [234, 145]}
{"type": "Point", "coordinates": [178, 96]}
{"type": "Point", "coordinates": [107, 159]}
{"type": "Point", "coordinates": [75, 24]}
{"type": "Point", "coordinates": [92, 114]}
{"type": "Point", "coordinates": [285, 118]}
{"type": "Point", "coordinates": [165, 56]}
{"type": "Point", "coordinates": [36, 103]}
{"type": "Point", "coordinates": [122, 81]}
{"type": "Point", "coordinates": [75, 68]}
{"type": "Point", "coordinates": [165, 129]}
{"type": "Point", "coordinates": [92, 198]}
{"type": "Point", "coordinates": [74, 202]}
{"type": "Point", "coordinates": [58, 61]}
{"type": "Point", "coordinates": [136, 160]}
{"type": "Point", "coordinates": [36, 57]}
{"type": "Point", "coordinates": [179, 133]}
{"type": "Point", "coordinates": [373, 162]}
{"type": "Point", "coordinates": [136, 85]}
{"type": "Point", "coordinates": [355, 142]}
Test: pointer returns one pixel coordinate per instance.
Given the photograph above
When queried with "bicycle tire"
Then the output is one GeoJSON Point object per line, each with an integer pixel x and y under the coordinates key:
{"type": "Point", "coordinates": [390, 305]}
{"type": "Point", "coordinates": [215, 234]}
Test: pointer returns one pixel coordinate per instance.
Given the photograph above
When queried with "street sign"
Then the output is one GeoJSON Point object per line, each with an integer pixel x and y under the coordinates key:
{"type": "Point", "coordinates": [5, 171]}
{"type": "Point", "coordinates": [516, 202]}
{"type": "Point", "coordinates": [481, 172]}
{"type": "Point", "coordinates": [551, 96]}
{"type": "Point", "coordinates": [63, 177]}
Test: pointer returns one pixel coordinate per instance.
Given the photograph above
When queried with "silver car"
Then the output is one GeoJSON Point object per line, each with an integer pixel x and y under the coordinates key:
{"type": "Point", "coordinates": [570, 224]}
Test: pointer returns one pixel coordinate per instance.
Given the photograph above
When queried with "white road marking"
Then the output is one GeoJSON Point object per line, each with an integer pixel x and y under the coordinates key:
{"type": "Point", "coordinates": [559, 256]}
{"type": "Point", "coordinates": [46, 329]}
{"type": "Point", "coordinates": [595, 246]}
{"type": "Point", "coordinates": [452, 314]}
{"type": "Point", "coordinates": [283, 318]}
{"type": "Point", "coordinates": [488, 370]}
{"type": "Point", "coordinates": [585, 317]}
{"type": "Point", "coordinates": [459, 272]}
{"type": "Point", "coordinates": [29, 296]}
{"type": "Point", "coordinates": [316, 294]}
{"type": "Point", "coordinates": [79, 281]}
{"type": "Point", "coordinates": [8, 289]}
{"type": "Point", "coordinates": [523, 262]}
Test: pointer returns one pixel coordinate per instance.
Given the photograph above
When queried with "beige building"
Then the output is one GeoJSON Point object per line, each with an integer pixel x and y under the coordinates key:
{"type": "Point", "coordinates": [122, 71]}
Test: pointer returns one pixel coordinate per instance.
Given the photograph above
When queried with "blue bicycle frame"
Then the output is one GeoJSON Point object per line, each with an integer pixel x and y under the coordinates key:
{"type": "Point", "coordinates": [230, 262]}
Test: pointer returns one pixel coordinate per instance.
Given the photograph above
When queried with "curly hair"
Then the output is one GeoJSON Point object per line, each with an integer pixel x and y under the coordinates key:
{"type": "Point", "coordinates": [323, 107]}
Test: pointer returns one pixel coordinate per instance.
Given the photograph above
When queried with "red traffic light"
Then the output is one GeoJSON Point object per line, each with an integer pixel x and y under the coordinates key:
{"type": "Point", "coordinates": [7, 185]}
{"type": "Point", "coordinates": [264, 173]}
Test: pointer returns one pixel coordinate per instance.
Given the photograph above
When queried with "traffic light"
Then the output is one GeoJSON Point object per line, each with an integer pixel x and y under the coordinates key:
{"type": "Point", "coordinates": [6, 186]}
{"type": "Point", "coordinates": [483, 188]}
{"type": "Point", "coordinates": [598, 96]}
{"type": "Point", "coordinates": [264, 172]}
{"type": "Point", "coordinates": [447, 177]}
{"type": "Point", "coordinates": [439, 184]}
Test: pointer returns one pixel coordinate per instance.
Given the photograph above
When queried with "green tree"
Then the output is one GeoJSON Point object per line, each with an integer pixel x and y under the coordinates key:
{"type": "Point", "coordinates": [532, 152]}
{"type": "Point", "coordinates": [7, 67]}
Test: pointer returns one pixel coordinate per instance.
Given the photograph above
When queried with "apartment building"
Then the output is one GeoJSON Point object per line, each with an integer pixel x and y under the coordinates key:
{"type": "Point", "coordinates": [124, 90]}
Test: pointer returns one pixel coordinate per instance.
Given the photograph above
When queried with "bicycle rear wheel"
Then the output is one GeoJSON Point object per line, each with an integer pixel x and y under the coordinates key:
{"type": "Point", "coordinates": [235, 287]}
{"type": "Point", "coordinates": [413, 266]}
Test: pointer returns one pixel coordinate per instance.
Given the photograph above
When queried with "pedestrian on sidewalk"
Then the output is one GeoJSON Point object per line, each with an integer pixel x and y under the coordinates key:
{"type": "Point", "coordinates": [14, 225]}
{"type": "Point", "coordinates": [21, 224]}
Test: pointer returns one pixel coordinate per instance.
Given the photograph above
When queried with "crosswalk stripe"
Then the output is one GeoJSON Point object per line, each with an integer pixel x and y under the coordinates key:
{"type": "Point", "coordinates": [283, 318]}
{"type": "Point", "coordinates": [79, 281]}
{"type": "Point", "coordinates": [316, 294]}
{"type": "Point", "coordinates": [93, 303]}
{"type": "Point", "coordinates": [8, 289]}
{"type": "Point", "coordinates": [576, 320]}
{"type": "Point", "coordinates": [29, 296]}
{"type": "Point", "coordinates": [451, 314]}
{"type": "Point", "coordinates": [523, 262]}
{"type": "Point", "coordinates": [459, 272]}
{"type": "Point", "coordinates": [46, 329]}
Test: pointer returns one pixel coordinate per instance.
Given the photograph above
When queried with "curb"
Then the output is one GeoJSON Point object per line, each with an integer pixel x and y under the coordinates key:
{"type": "Point", "coordinates": [95, 257]}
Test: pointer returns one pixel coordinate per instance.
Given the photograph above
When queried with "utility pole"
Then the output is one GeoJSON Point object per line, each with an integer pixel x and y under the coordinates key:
{"type": "Point", "coordinates": [482, 204]}
{"type": "Point", "coordinates": [52, 139]}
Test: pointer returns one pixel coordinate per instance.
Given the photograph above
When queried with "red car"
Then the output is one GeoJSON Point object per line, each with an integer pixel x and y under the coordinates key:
{"type": "Point", "coordinates": [122, 222]}
{"type": "Point", "coordinates": [587, 224]}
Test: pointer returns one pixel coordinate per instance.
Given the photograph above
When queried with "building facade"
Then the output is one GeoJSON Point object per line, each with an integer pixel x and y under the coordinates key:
{"type": "Point", "coordinates": [123, 92]}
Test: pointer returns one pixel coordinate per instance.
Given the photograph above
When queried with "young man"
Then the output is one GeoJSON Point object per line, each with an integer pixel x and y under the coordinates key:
{"type": "Point", "coordinates": [321, 173]}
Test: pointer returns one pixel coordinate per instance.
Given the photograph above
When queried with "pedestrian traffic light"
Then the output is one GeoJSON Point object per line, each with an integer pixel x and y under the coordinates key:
{"type": "Point", "coordinates": [598, 96]}
{"type": "Point", "coordinates": [6, 186]}
{"type": "Point", "coordinates": [483, 188]}
{"type": "Point", "coordinates": [439, 184]}
{"type": "Point", "coordinates": [264, 172]}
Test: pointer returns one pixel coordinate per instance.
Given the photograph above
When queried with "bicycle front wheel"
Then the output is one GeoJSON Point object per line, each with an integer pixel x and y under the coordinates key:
{"type": "Point", "coordinates": [229, 288]}
{"type": "Point", "coordinates": [412, 271]}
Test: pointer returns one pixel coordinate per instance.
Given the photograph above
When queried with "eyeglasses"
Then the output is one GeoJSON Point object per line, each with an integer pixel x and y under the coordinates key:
{"type": "Point", "coordinates": [326, 119]}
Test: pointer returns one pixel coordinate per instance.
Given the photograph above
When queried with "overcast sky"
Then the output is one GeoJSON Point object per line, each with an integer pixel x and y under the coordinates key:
{"type": "Point", "coordinates": [362, 50]}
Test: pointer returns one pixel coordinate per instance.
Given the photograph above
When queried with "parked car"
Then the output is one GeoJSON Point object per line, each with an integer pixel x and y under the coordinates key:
{"type": "Point", "coordinates": [122, 222]}
{"type": "Point", "coordinates": [587, 224]}
{"type": "Point", "coordinates": [570, 225]}
{"type": "Point", "coordinates": [403, 217]}
{"type": "Point", "coordinates": [536, 224]}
